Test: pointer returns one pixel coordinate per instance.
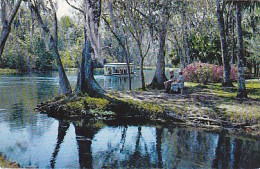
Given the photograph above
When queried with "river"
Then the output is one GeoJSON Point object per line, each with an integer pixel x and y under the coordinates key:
{"type": "Point", "coordinates": [35, 140]}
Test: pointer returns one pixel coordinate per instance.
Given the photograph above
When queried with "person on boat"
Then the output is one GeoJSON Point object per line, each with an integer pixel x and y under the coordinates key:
{"type": "Point", "coordinates": [179, 83]}
{"type": "Point", "coordinates": [168, 83]}
{"type": "Point", "coordinates": [109, 71]}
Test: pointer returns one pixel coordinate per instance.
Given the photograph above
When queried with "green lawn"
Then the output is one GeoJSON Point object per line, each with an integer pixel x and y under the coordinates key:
{"type": "Point", "coordinates": [252, 86]}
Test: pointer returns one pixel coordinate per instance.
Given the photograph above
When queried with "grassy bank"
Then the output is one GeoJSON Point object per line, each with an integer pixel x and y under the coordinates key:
{"type": "Point", "coordinates": [108, 107]}
{"type": "Point", "coordinates": [208, 106]}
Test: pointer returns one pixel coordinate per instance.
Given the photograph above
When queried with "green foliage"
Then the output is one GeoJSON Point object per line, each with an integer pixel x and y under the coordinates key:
{"type": "Point", "coordinates": [205, 48]}
{"type": "Point", "coordinates": [175, 56]}
{"type": "Point", "coordinates": [45, 60]}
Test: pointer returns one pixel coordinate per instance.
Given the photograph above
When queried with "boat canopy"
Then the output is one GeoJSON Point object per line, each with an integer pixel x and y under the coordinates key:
{"type": "Point", "coordinates": [118, 68]}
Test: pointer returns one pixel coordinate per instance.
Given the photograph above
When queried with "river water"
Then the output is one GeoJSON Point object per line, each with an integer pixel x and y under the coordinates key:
{"type": "Point", "coordinates": [33, 139]}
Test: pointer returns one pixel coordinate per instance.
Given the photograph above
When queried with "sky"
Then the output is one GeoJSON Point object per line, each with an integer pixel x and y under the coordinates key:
{"type": "Point", "coordinates": [63, 9]}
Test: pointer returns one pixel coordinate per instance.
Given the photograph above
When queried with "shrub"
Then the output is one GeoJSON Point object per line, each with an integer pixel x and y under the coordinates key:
{"type": "Point", "coordinates": [207, 73]}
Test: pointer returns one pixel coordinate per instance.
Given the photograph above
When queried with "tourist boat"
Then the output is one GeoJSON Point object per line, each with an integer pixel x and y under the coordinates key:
{"type": "Point", "coordinates": [118, 69]}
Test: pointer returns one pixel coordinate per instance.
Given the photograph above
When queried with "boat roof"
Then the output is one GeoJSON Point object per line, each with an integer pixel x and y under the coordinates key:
{"type": "Point", "coordinates": [118, 64]}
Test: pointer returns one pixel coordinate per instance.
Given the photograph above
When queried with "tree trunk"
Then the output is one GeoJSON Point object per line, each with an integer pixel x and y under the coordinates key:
{"type": "Point", "coordinates": [63, 80]}
{"type": "Point", "coordinates": [141, 57]}
{"type": "Point", "coordinates": [4, 35]}
{"type": "Point", "coordinates": [160, 76]}
{"type": "Point", "coordinates": [93, 13]}
{"type": "Point", "coordinates": [257, 70]}
{"type": "Point", "coordinates": [224, 48]}
{"type": "Point", "coordinates": [241, 93]}
{"type": "Point", "coordinates": [142, 73]}
{"type": "Point", "coordinates": [32, 30]}
{"type": "Point", "coordinates": [126, 49]}
{"type": "Point", "coordinates": [185, 34]}
{"type": "Point", "coordinates": [7, 24]}
{"type": "Point", "coordinates": [233, 53]}
{"type": "Point", "coordinates": [86, 81]}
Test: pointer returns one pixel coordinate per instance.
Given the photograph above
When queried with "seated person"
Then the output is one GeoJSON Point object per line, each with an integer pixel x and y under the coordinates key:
{"type": "Point", "coordinates": [179, 83]}
{"type": "Point", "coordinates": [168, 83]}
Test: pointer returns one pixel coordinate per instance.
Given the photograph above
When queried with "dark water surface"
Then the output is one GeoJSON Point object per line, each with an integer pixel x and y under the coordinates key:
{"type": "Point", "coordinates": [33, 139]}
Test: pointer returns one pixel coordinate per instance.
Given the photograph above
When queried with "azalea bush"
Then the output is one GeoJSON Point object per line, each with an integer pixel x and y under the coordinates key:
{"type": "Point", "coordinates": [207, 73]}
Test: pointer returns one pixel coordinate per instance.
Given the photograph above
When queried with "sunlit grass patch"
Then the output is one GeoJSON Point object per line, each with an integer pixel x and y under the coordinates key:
{"type": "Point", "coordinates": [252, 86]}
{"type": "Point", "coordinates": [8, 71]}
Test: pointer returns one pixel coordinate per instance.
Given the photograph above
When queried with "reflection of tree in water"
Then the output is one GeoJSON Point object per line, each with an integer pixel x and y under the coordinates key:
{"type": "Point", "coordinates": [173, 148]}
{"type": "Point", "coordinates": [62, 130]}
{"type": "Point", "coordinates": [19, 117]}
{"type": "Point", "coordinates": [222, 159]}
{"type": "Point", "coordinates": [159, 146]}
{"type": "Point", "coordinates": [137, 160]}
{"type": "Point", "coordinates": [19, 97]}
{"type": "Point", "coordinates": [139, 157]}
{"type": "Point", "coordinates": [85, 132]}
{"type": "Point", "coordinates": [48, 83]}
{"type": "Point", "coordinates": [236, 153]}
{"type": "Point", "coordinates": [84, 135]}
{"type": "Point", "coordinates": [182, 148]}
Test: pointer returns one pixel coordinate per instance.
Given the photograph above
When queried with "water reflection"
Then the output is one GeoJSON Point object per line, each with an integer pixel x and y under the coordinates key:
{"type": "Point", "coordinates": [111, 145]}
{"type": "Point", "coordinates": [62, 130]}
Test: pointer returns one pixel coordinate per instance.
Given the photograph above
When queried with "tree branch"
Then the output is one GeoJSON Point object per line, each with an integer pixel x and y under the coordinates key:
{"type": "Point", "coordinates": [39, 18]}
{"type": "Point", "coordinates": [113, 32]}
{"type": "Point", "coordinates": [73, 6]}
{"type": "Point", "coordinates": [147, 50]}
{"type": "Point", "coordinates": [14, 11]}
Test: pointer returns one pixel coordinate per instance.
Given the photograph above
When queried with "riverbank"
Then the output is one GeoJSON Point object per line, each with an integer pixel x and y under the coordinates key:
{"type": "Point", "coordinates": [207, 106]}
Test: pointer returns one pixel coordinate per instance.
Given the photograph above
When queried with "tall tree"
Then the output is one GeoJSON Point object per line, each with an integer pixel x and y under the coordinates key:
{"type": "Point", "coordinates": [136, 27]}
{"type": "Point", "coordinates": [93, 13]}
{"type": "Point", "coordinates": [241, 93]}
{"type": "Point", "coordinates": [121, 36]}
{"type": "Point", "coordinates": [224, 46]}
{"type": "Point", "coordinates": [184, 23]}
{"type": "Point", "coordinates": [53, 37]}
{"type": "Point", "coordinates": [162, 17]}
{"type": "Point", "coordinates": [86, 82]}
{"type": "Point", "coordinates": [123, 44]}
{"type": "Point", "coordinates": [6, 23]}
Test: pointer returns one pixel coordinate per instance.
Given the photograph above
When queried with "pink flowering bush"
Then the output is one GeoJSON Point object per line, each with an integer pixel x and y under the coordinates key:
{"type": "Point", "coordinates": [207, 73]}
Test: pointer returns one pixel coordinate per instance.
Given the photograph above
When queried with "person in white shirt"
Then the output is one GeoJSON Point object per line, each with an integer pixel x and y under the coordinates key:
{"type": "Point", "coordinates": [179, 83]}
